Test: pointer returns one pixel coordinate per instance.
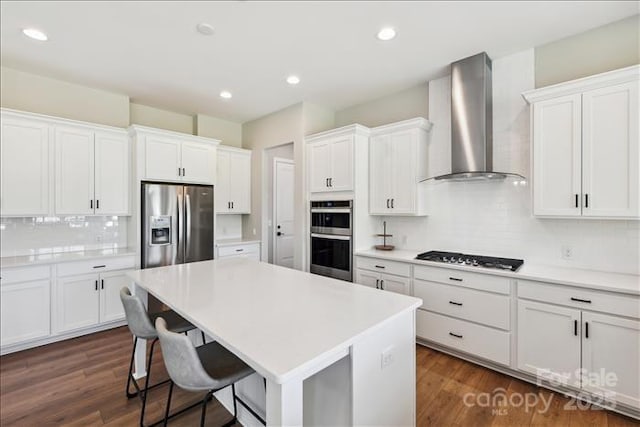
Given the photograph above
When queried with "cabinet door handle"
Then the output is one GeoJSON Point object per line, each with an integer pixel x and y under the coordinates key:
{"type": "Point", "coordinates": [377, 283]}
{"type": "Point", "coordinates": [576, 200]}
{"type": "Point", "coordinates": [588, 301]}
{"type": "Point", "coordinates": [455, 335]}
{"type": "Point", "coordinates": [455, 279]}
{"type": "Point", "coordinates": [184, 172]}
{"type": "Point", "coordinates": [330, 182]}
{"type": "Point", "coordinates": [586, 329]}
{"type": "Point", "coordinates": [575, 327]}
{"type": "Point", "coordinates": [91, 204]}
{"type": "Point", "coordinates": [392, 203]}
{"type": "Point", "coordinates": [455, 303]}
{"type": "Point", "coordinates": [586, 200]}
{"type": "Point", "coordinates": [97, 203]}
{"type": "Point", "coordinates": [387, 203]}
{"type": "Point", "coordinates": [326, 182]}
{"type": "Point", "coordinates": [179, 172]}
{"type": "Point", "coordinates": [382, 284]}
{"type": "Point", "coordinates": [96, 285]}
{"type": "Point", "coordinates": [232, 205]}
{"type": "Point", "coordinates": [101, 283]}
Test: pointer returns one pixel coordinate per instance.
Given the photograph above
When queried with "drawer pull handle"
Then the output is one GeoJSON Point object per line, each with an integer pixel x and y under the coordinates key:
{"type": "Point", "coordinates": [455, 303]}
{"type": "Point", "coordinates": [99, 266]}
{"type": "Point", "coordinates": [380, 266]}
{"type": "Point", "coordinates": [455, 335]}
{"type": "Point", "coordinates": [455, 279]}
{"type": "Point", "coordinates": [239, 250]}
{"type": "Point", "coordinates": [588, 301]}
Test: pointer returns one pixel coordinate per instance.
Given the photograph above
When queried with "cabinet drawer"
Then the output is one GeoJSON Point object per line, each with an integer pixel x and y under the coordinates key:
{"type": "Point", "coordinates": [480, 341]}
{"type": "Point", "coordinates": [384, 266]}
{"type": "Point", "coordinates": [24, 274]}
{"type": "Point", "coordinates": [481, 307]}
{"type": "Point", "coordinates": [483, 282]}
{"type": "Point", "coordinates": [95, 265]}
{"type": "Point", "coordinates": [250, 248]}
{"type": "Point", "coordinates": [587, 299]}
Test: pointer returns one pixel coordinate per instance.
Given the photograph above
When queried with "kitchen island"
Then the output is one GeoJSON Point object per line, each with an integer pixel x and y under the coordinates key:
{"type": "Point", "coordinates": [332, 353]}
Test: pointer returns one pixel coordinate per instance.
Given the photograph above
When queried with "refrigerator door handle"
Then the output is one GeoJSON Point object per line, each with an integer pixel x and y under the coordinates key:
{"type": "Point", "coordinates": [179, 257]}
{"type": "Point", "coordinates": [187, 233]}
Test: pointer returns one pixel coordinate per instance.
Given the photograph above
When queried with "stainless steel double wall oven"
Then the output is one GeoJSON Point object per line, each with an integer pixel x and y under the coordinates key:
{"type": "Point", "coordinates": [331, 239]}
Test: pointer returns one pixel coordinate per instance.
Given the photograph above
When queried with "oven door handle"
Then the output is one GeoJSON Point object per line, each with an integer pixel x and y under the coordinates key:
{"type": "Point", "coordinates": [330, 236]}
{"type": "Point", "coordinates": [330, 210]}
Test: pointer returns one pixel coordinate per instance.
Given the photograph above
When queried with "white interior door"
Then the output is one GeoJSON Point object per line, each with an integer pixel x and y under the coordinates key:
{"type": "Point", "coordinates": [283, 180]}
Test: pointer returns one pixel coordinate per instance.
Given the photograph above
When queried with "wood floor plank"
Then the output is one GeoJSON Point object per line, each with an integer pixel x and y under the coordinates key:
{"type": "Point", "coordinates": [81, 382]}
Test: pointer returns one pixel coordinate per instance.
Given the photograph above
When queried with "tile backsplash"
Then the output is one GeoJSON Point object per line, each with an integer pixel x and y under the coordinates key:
{"type": "Point", "coordinates": [37, 235]}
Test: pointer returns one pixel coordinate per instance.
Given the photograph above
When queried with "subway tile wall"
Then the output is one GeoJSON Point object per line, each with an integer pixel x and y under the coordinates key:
{"type": "Point", "coordinates": [29, 236]}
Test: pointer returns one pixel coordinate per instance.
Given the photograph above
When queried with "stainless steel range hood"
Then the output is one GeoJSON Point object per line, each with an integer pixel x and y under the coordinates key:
{"type": "Point", "coordinates": [472, 121]}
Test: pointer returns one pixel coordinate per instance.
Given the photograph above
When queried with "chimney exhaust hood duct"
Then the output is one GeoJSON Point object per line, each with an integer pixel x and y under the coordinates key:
{"type": "Point", "coordinates": [472, 121]}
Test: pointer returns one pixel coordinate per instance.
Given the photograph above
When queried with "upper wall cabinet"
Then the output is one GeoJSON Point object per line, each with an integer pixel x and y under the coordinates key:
{"type": "Point", "coordinates": [25, 166]}
{"type": "Point", "coordinates": [331, 157]}
{"type": "Point", "coordinates": [586, 151]}
{"type": "Point", "coordinates": [233, 185]}
{"type": "Point", "coordinates": [92, 171]}
{"type": "Point", "coordinates": [397, 164]}
{"type": "Point", "coordinates": [89, 164]}
{"type": "Point", "coordinates": [172, 156]}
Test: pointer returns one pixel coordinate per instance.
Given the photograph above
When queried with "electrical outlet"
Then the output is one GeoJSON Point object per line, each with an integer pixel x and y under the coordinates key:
{"type": "Point", "coordinates": [567, 252]}
{"type": "Point", "coordinates": [99, 238]}
{"type": "Point", "coordinates": [386, 357]}
{"type": "Point", "coordinates": [254, 231]}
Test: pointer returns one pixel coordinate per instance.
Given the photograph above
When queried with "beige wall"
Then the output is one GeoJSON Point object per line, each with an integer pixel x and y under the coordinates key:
{"type": "Point", "coordinates": [407, 104]}
{"type": "Point", "coordinates": [612, 46]}
{"type": "Point", "coordinates": [230, 133]}
{"type": "Point", "coordinates": [161, 119]}
{"type": "Point", "coordinates": [282, 127]}
{"type": "Point", "coordinates": [37, 94]}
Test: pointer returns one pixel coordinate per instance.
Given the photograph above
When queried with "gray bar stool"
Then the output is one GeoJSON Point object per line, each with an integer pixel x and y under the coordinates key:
{"type": "Point", "coordinates": [140, 324]}
{"type": "Point", "coordinates": [210, 368]}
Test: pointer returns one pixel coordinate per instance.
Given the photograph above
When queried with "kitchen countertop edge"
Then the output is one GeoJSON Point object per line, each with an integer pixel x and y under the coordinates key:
{"type": "Point", "coordinates": [60, 257]}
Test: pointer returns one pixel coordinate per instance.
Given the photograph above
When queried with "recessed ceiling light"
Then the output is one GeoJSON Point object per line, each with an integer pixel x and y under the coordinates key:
{"type": "Point", "coordinates": [225, 94]}
{"type": "Point", "coordinates": [35, 34]}
{"type": "Point", "coordinates": [293, 80]}
{"type": "Point", "coordinates": [205, 29]}
{"type": "Point", "coordinates": [386, 33]}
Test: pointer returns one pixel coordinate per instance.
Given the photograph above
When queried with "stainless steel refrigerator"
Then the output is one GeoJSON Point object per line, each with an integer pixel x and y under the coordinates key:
{"type": "Point", "coordinates": [177, 226]}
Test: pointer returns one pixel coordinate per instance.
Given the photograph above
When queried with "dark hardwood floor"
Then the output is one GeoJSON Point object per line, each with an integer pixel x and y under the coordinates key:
{"type": "Point", "coordinates": [81, 382]}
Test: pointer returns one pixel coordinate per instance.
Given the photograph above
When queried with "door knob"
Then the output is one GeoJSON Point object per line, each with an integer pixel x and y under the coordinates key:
{"type": "Point", "coordinates": [279, 233]}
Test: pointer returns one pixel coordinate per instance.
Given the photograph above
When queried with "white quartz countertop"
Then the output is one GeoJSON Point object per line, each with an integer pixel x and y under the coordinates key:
{"type": "Point", "coordinates": [54, 258]}
{"type": "Point", "coordinates": [278, 320]}
{"type": "Point", "coordinates": [233, 242]}
{"type": "Point", "coordinates": [591, 279]}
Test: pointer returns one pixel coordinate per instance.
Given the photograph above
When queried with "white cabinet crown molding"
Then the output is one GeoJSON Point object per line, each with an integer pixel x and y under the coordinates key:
{"type": "Point", "coordinates": [354, 129]}
{"type": "Point", "coordinates": [137, 130]}
{"type": "Point", "coordinates": [577, 86]}
{"type": "Point", "coordinates": [232, 149]}
{"type": "Point", "coordinates": [53, 120]}
{"type": "Point", "coordinates": [415, 123]}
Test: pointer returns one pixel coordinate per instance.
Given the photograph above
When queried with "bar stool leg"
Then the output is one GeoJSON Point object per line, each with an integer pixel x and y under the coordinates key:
{"type": "Point", "coordinates": [146, 383]}
{"type": "Point", "coordinates": [204, 408]}
{"type": "Point", "coordinates": [166, 411]}
{"type": "Point", "coordinates": [130, 376]}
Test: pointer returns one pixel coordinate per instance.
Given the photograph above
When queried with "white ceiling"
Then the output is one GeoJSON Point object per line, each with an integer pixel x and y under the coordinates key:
{"type": "Point", "coordinates": [152, 52]}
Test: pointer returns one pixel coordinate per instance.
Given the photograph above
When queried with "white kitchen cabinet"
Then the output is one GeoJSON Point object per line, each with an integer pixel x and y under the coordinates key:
{"type": "Point", "coordinates": [586, 150]}
{"type": "Point", "coordinates": [382, 281]}
{"type": "Point", "coordinates": [25, 166]}
{"type": "Point", "coordinates": [92, 172]}
{"type": "Point", "coordinates": [25, 311]}
{"type": "Point", "coordinates": [111, 283]}
{"type": "Point", "coordinates": [331, 158]}
{"type": "Point", "coordinates": [233, 184]}
{"type": "Point", "coordinates": [112, 173]}
{"type": "Point", "coordinates": [397, 164]}
{"type": "Point", "coordinates": [78, 299]}
{"type": "Point", "coordinates": [611, 357]}
{"type": "Point", "coordinates": [549, 341]}
{"type": "Point", "coordinates": [249, 250]}
{"type": "Point", "coordinates": [611, 151]}
{"type": "Point", "coordinates": [173, 156]}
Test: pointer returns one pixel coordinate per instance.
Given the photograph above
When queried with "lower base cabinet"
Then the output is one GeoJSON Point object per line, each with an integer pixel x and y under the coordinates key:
{"type": "Point", "coordinates": [598, 353]}
{"type": "Point", "coordinates": [385, 282]}
{"type": "Point", "coordinates": [90, 299]}
{"type": "Point", "coordinates": [24, 311]}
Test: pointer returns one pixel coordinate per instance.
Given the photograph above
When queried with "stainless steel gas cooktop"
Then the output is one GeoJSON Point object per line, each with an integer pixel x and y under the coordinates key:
{"type": "Point", "coordinates": [472, 260]}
